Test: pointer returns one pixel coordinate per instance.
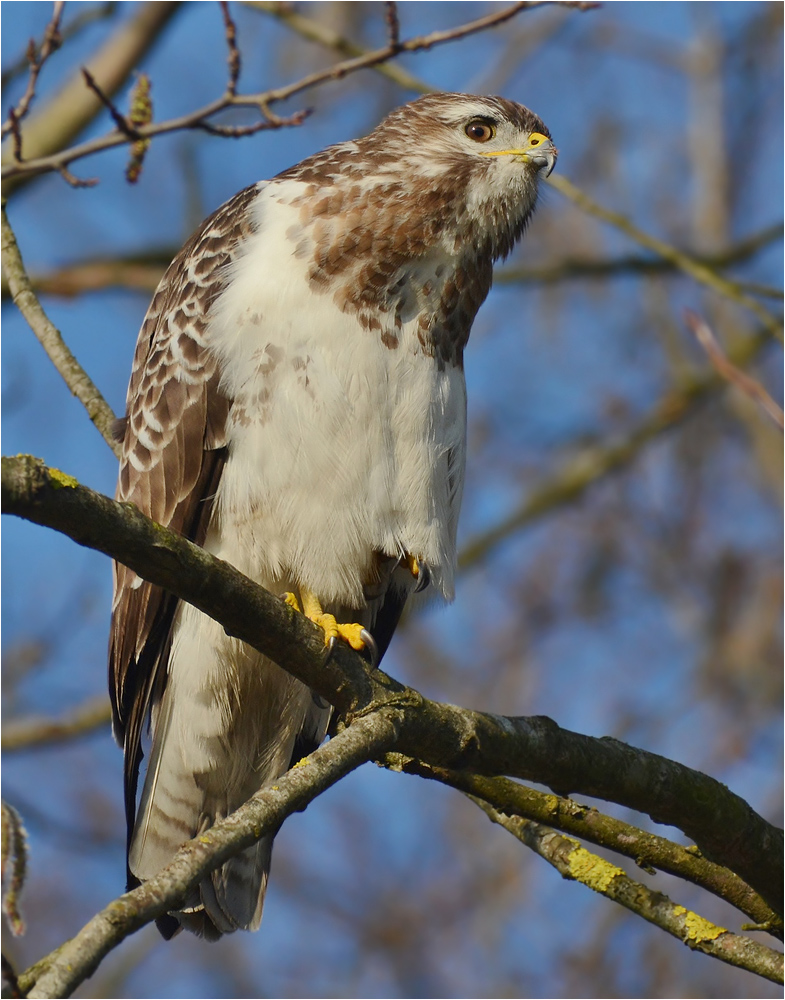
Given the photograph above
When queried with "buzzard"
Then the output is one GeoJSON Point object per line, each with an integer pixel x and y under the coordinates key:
{"type": "Point", "coordinates": [298, 407]}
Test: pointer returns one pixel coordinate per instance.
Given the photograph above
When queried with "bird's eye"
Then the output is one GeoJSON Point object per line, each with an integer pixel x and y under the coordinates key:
{"type": "Point", "coordinates": [480, 131]}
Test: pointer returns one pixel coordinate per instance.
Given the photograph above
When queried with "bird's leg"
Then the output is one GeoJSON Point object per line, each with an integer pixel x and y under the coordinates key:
{"type": "Point", "coordinates": [356, 635]}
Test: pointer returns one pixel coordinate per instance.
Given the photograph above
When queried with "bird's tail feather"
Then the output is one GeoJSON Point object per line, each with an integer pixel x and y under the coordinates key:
{"type": "Point", "coordinates": [225, 726]}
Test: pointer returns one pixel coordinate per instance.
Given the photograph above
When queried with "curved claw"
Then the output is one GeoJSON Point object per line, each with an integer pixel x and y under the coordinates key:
{"type": "Point", "coordinates": [370, 645]}
{"type": "Point", "coordinates": [329, 646]}
{"type": "Point", "coordinates": [423, 578]}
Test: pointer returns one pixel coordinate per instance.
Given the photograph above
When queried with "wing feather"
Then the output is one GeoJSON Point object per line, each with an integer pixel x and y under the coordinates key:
{"type": "Point", "coordinates": [173, 439]}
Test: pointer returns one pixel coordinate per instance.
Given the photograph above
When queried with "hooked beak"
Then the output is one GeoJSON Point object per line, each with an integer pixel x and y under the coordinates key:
{"type": "Point", "coordinates": [542, 157]}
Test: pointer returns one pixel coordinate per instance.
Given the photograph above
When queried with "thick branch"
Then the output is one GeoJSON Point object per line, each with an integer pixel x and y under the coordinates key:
{"type": "Point", "coordinates": [573, 861]}
{"type": "Point", "coordinates": [724, 827]}
{"type": "Point", "coordinates": [76, 378]}
{"type": "Point", "coordinates": [74, 961]}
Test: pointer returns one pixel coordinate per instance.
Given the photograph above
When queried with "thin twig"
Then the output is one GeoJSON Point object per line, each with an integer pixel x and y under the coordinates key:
{"type": "Point", "coordinates": [392, 23]}
{"type": "Point", "coordinates": [233, 59]}
{"type": "Point", "coordinates": [328, 37]}
{"type": "Point", "coordinates": [52, 41]}
{"type": "Point", "coordinates": [76, 378]}
{"type": "Point", "coordinates": [240, 131]}
{"type": "Point", "coordinates": [699, 272]}
{"type": "Point", "coordinates": [337, 71]}
{"type": "Point", "coordinates": [68, 31]}
{"type": "Point", "coordinates": [748, 385]}
{"type": "Point", "coordinates": [573, 861]}
{"type": "Point", "coordinates": [56, 121]}
{"type": "Point", "coordinates": [74, 181]}
{"type": "Point", "coordinates": [118, 117]}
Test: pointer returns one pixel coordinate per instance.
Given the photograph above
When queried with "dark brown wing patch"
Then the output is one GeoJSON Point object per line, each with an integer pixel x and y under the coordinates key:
{"type": "Point", "coordinates": [173, 456]}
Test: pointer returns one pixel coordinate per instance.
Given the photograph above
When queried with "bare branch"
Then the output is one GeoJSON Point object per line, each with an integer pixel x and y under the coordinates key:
{"type": "Point", "coordinates": [233, 59]}
{"type": "Point", "coordinates": [699, 272]}
{"type": "Point", "coordinates": [646, 849]}
{"type": "Point", "coordinates": [76, 378]}
{"type": "Point", "coordinates": [122, 123]}
{"type": "Point", "coordinates": [576, 270]}
{"type": "Point", "coordinates": [748, 385]}
{"type": "Point", "coordinates": [198, 118]}
{"type": "Point", "coordinates": [724, 827]}
{"type": "Point", "coordinates": [324, 35]}
{"type": "Point", "coordinates": [22, 734]}
{"type": "Point", "coordinates": [51, 43]}
{"type": "Point", "coordinates": [57, 121]}
{"type": "Point", "coordinates": [73, 28]}
{"type": "Point", "coordinates": [269, 122]}
{"type": "Point", "coordinates": [393, 24]}
{"type": "Point", "coordinates": [573, 861]}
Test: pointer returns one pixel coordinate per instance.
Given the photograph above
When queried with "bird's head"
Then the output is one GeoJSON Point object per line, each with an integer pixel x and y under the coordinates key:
{"type": "Point", "coordinates": [462, 128]}
{"type": "Point", "coordinates": [486, 154]}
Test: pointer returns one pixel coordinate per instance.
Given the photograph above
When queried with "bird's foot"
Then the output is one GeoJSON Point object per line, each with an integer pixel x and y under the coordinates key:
{"type": "Point", "coordinates": [419, 571]}
{"type": "Point", "coordinates": [356, 635]}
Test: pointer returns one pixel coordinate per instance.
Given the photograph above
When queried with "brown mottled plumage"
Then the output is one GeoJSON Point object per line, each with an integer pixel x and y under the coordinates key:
{"type": "Point", "coordinates": [297, 406]}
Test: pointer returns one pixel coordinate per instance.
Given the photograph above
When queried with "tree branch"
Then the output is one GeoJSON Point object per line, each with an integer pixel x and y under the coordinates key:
{"type": "Point", "coordinates": [646, 849]}
{"type": "Point", "coordinates": [725, 828]}
{"type": "Point", "coordinates": [261, 102]}
{"type": "Point", "coordinates": [22, 734]}
{"type": "Point", "coordinates": [699, 272]}
{"type": "Point", "coordinates": [596, 462]}
{"type": "Point", "coordinates": [76, 378]}
{"type": "Point", "coordinates": [62, 971]}
{"type": "Point", "coordinates": [577, 270]}
{"type": "Point", "coordinates": [59, 120]}
{"type": "Point", "coordinates": [730, 372]}
{"type": "Point", "coordinates": [573, 861]}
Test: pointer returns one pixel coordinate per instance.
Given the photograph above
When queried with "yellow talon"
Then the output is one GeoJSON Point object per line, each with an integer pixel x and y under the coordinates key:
{"type": "Point", "coordinates": [414, 565]}
{"type": "Point", "coordinates": [352, 633]}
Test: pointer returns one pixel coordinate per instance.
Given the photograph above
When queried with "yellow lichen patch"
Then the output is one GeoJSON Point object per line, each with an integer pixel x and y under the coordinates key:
{"type": "Point", "coordinates": [62, 479]}
{"type": "Point", "coordinates": [591, 870]}
{"type": "Point", "coordinates": [302, 762]}
{"type": "Point", "coordinates": [700, 929]}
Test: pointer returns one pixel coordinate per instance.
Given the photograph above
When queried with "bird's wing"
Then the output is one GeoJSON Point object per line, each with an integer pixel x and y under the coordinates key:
{"type": "Point", "coordinates": [173, 455]}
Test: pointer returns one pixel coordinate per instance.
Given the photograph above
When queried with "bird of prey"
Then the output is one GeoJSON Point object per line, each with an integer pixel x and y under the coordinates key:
{"type": "Point", "coordinates": [298, 407]}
